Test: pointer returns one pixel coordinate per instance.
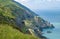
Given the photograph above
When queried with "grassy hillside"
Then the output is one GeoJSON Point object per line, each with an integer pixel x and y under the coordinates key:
{"type": "Point", "coordinates": [16, 19]}
{"type": "Point", "coordinates": [9, 10]}
{"type": "Point", "coordinates": [8, 32]}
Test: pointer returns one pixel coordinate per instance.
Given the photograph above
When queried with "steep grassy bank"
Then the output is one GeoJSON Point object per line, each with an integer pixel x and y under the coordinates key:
{"type": "Point", "coordinates": [8, 32]}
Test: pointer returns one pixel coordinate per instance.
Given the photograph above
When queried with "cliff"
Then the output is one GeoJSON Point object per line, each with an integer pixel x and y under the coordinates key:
{"type": "Point", "coordinates": [21, 18]}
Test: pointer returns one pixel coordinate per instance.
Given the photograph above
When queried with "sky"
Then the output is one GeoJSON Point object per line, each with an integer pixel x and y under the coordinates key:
{"type": "Point", "coordinates": [47, 9]}
{"type": "Point", "coordinates": [41, 4]}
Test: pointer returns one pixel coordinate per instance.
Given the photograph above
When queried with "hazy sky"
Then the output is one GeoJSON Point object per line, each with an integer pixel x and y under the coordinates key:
{"type": "Point", "coordinates": [41, 4]}
{"type": "Point", "coordinates": [47, 9]}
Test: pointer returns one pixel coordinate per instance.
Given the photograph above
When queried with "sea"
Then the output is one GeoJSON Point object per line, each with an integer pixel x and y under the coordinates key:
{"type": "Point", "coordinates": [52, 16]}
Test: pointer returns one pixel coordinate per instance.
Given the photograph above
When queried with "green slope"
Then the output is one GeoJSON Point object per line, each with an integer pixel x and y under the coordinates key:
{"type": "Point", "coordinates": [8, 11]}
{"type": "Point", "coordinates": [8, 32]}
{"type": "Point", "coordinates": [16, 19]}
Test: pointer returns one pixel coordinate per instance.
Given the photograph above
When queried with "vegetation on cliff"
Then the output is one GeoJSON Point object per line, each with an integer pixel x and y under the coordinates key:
{"type": "Point", "coordinates": [8, 32]}
{"type": "Point", "coordinates": [8, 27]}
{"type": "Point", "coordinates": [17, 21]}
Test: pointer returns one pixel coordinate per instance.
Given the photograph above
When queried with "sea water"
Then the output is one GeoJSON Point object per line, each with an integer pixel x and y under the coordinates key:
{"type": "Point", "coordinates": [53, 17]}
{"type": "Point", "coordinates": [55, 33]}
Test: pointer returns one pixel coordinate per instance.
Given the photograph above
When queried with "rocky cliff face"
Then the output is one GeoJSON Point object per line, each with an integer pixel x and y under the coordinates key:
{"type": "Point", "coordinates": [22, 18]}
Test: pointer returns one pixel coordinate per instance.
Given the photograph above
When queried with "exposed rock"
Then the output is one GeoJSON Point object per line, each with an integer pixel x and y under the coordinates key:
{"type": "Point", "coordinates": [49, 32]}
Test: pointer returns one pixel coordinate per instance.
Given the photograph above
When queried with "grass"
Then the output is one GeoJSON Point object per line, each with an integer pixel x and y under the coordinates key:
{"type": "Point", "coordinates": [8, 32]}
